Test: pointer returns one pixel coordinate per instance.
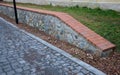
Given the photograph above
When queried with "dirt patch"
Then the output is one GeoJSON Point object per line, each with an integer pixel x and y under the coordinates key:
{"type": "Point", "coordinates": [109, 65]}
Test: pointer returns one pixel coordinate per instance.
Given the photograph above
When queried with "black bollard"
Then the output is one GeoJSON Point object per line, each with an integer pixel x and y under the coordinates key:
{"type": "Point", "coordinates": [15, 10]}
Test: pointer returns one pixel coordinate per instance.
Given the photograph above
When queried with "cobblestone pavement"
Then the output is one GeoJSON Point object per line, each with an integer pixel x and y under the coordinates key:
{"type": "Point", "coordinates": [21, 53]}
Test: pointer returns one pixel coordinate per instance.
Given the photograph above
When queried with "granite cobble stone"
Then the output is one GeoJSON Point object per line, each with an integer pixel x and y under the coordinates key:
{"type": "Point", "coordinates": [10, 72]}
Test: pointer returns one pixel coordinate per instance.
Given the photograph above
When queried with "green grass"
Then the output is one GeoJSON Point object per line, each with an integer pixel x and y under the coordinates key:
{"type": "Point", "coordinates": [104, 22]}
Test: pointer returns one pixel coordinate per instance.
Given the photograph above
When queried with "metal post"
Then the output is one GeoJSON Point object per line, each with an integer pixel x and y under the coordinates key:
{"type": "Point", "coordinates": [15, 10]}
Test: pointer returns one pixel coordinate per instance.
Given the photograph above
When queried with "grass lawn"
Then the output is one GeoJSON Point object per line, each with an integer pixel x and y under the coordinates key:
{"type": "Point", "coordinates": [104, 22]}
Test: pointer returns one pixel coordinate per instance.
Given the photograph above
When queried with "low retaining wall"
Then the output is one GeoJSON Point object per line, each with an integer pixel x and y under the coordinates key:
{"type": "Point", "coordinates": [103, 4]}
{"type": "Point", "coordinates": [63, 27]}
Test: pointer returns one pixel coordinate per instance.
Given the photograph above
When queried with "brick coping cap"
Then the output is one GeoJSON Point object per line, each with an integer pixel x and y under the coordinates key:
{"type": "Point", "coordinates": [90, 35]}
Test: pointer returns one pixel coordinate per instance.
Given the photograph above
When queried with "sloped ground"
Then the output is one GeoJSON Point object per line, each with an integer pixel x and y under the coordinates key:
{"type": "Point", "coordinates": [22, 53]}
{"type": "Point", "coordinates": [109, 65]}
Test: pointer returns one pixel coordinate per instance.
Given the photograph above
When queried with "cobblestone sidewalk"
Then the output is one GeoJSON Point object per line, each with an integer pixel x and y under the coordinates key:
{"type": "Point", "coordinates": [22, 53]}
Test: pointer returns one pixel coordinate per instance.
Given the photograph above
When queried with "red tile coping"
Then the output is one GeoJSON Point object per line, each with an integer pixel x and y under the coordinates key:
{"type": "Point", "coordinates": [90, 35]}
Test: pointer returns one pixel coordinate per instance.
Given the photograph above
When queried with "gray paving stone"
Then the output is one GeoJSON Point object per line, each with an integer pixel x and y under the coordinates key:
{"type": "Point", "coordinates": [18, 70]}
{"type": "Point", "coordinates": [1, 70]}
{"type": "Point", "coordinates": [75, 71]}
{"type": "Point", "coordinates": [26, 67]}
{"type": "Point", "coordinates": [80, 74]}
{"type": "Point", "coordinates": [91, 74]}
{"type": "Point", "coordinates": [3, 60]}
{"type": "Point", "coordinates": [10, 72]}
{"type": "Point", "coordinates": [84, 71]}
{"type": "Point", "coordinates": [3, 74]}
{"type": "Point", "coordinates": [78, 68]}
{"type": "Point", "coordinates": [33, 70]}
{"type": "Point", "coordinates": [33, 74]}
{"type": "Point", "coordinates": [18, 74]}
{"type": "Point", "coordinates": [7, 68]}
{"type": "Point", "coordinates": [22, 53]}
{"type": "Point", "coordinates": [71, 67]}
{"type": "Point", "coordinates": [14, 65]}
{"type": "Point", "coordinates": [26, 72]}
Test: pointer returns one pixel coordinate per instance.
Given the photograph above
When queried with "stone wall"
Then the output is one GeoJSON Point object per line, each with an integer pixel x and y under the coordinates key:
{"type": "Point", "coordinates": [103, 4]}
{"type": "Point", "coordinates": [54, 26]}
